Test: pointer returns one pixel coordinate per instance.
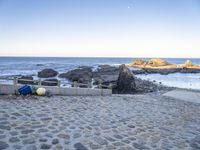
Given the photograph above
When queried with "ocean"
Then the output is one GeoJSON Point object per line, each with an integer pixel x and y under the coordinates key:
{"type": "Point", "coordinates": [10, 66]}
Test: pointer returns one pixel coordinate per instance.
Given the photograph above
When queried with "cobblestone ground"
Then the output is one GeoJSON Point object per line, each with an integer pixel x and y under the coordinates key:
{"type": "Point", "coordinates": [115, 122]}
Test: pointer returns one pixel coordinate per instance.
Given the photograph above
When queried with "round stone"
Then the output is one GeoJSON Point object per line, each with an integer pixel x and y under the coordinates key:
{"type": "Point", "coordinates": [55, 141]}
{"type": "Point", "coordinates": [45, 146]}
{"type": "Point", "coordinates": [14, 139]}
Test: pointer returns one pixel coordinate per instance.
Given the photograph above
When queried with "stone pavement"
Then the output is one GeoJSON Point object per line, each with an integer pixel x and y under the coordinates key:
{"type": "Point", "coordinates": [185, 95]}
{"type": "Point", "coordinates": [112, 122]}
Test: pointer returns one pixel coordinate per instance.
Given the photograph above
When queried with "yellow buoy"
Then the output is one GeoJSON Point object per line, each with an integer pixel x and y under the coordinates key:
{"type": "Point", "coordinates": [41, 91]}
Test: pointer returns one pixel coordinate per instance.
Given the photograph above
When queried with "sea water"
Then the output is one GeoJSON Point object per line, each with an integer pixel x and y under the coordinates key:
{"type": "Point", "coordinates": [11, 66]}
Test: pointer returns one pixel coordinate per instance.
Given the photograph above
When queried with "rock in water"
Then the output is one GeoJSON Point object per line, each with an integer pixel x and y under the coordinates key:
{"type": "Point", "coordinates": [157, 62]}
{"type": "Point", "coordinates": [126, 81]}
{"type": "Point", "coordinates": [47, 73]}
{"type": "Point", "coordinates": [137, 62]}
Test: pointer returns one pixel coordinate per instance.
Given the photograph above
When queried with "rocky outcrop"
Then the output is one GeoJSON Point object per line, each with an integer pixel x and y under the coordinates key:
{"type": "Point", "coordinates": [157, 62]}
{"type": "Point", "coordinates": [81, 75]}
{"type": "Point", "coordinates": [137, 62]}
{"type": "Point", "coordinates": [125, 82]}
{"type": "Point", "coordinates": [22, 79]}
{"type": "Point", "coordinates": [47, 73]}
{"type": "Point", "coordinates": [50, 82]}
{"type": "Point", "coordinates": [152, 63]}
{"type": "Point", "coordinates": [106, 74]}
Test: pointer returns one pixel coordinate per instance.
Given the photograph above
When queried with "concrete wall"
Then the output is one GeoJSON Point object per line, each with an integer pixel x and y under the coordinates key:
{"type": "Point", "coordinates": [13, 89]}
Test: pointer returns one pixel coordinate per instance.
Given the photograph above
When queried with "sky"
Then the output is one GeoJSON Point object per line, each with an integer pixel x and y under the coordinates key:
{"type": "Point", "coordinates": [100, 28]}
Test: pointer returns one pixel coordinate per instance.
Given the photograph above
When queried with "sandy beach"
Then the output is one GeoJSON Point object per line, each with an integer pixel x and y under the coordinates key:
{"type": "Point", "coordinates": [124, 122]}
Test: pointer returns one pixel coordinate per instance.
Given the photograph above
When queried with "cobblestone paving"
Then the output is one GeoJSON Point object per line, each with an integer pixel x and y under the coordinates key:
{"type": "Point", "coordinates": [116, 122]}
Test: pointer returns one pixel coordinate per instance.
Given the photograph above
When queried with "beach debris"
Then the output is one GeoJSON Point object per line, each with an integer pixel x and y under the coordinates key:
{"type": "Point", "coordinates": [47, 73]}
{"type": "Point", "coordinates": [41, 91]}
{"type": "Point", "coordinates": [25, 90]}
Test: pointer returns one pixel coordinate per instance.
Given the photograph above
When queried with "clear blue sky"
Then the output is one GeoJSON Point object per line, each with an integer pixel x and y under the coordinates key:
{"type": "Point", "coordinates": [118, 28]}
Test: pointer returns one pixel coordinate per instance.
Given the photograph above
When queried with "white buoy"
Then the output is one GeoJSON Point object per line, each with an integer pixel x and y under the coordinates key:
{"type": "Point", "coordinates": [41, 91]}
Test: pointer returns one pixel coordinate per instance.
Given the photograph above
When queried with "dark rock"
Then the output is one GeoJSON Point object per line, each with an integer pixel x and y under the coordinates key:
{"type": "Point", "coordinates": [165, 71]}
{"type": "Point", "coordinates": [21, 80]}
{"type": "Point", "coordinates": [125, 82]}
{"type": "Point", "coordinates": [39, 65]}
{"type": "Point", "coordinates": [80, 75]}
{"type": "Point", "coordinates": [3, 145]}
{"type": "Point", "coordinates": [106, 75]}
{"type": "Point", "coordinates": [50, 82]}
{"type": "Point", "coordinates": [55, 141]}
{"type": "Point", "coordinates": [80, 146]}
{"type": "Point", "coordinates": [45, 146]}
{"type": "Point", "coordinates": [144, 86]}
{"type": "Point", "coordinates": [47, 73]}
{"type": "Point", "coordinates": [190, 70]}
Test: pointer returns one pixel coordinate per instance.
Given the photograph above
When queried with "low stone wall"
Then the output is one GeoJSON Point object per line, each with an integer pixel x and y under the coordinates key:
{"type": "Point", "coordinates": [6, 89]}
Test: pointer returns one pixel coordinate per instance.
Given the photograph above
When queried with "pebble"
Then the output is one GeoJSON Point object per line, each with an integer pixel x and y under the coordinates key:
{"type": "Point", "coordinates": [45, 146]}
{"type": "Point", "coordinates": [55, 141]}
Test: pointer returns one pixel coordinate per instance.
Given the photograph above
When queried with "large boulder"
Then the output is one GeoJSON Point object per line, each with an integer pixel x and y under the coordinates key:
{"type": "Point", "coordinates": [81, 75]}
{"type": "Point", "coordinates": [106, 74]}
{"type": "Point", "coordinates": [47, 73]}
{"type": "Point", "coordinates": [125, 82]}
{"type": "Point", "coordinates": [50, 82]}
{"type": "Point", "coordinates": [157, 62]}
{"type": "Point", "coordinates": [26, 80]}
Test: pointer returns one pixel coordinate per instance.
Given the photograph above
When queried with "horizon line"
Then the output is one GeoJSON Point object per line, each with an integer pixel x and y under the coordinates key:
{"type": "Point", "coordinates": [28, 56]}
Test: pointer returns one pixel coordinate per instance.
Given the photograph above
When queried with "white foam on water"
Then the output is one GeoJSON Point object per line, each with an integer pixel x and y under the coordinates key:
{"type": "Point", "coordinates": [180, 80]}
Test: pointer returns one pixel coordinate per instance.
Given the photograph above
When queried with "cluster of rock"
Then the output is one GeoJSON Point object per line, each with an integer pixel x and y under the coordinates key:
{"type": "Point", "coordinates": [161, 66]}
{"type": "Point", "coordinates": [155, 62]}
{"type": "Point", "coordinates": [120, 79]}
